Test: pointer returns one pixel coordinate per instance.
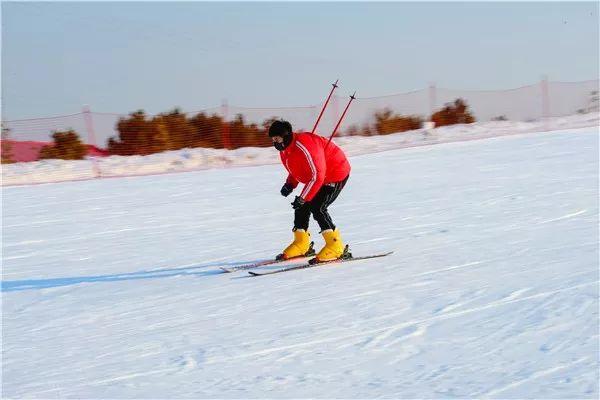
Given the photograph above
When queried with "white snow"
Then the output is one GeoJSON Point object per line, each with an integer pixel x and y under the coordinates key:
{"type": "Point", "coordinates": [111, 288]}
{"type": "Point", "coordinates": [201, 158]}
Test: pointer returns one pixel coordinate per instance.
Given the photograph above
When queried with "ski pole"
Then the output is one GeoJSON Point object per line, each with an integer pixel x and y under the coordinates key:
{"type": "Point", "coordinates": [335, 85]}
{"type": "Point", "coordinates": [341, 118]}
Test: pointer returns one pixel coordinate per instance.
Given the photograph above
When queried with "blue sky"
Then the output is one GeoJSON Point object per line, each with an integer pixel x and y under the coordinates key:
{"type": "Point", "coordinates": [119, 57]}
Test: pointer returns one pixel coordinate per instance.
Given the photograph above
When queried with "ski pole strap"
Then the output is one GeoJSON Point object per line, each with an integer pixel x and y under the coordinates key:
{"type": "Point", "coordinates": [341, 118]}
{"type": "Point", "coordinates": [335, 86]}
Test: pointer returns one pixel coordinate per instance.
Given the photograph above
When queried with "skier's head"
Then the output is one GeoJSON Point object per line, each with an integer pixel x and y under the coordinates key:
{"type": "Point", "coordinates": [280, 133]}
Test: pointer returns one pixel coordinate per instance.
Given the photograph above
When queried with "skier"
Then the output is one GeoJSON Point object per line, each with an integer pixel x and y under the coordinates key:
{"type": "Point", "coordinates": [324, 170]}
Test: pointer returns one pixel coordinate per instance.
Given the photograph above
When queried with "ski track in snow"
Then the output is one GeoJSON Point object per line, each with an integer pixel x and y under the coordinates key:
{"type": "Point", "coordinates": [111, 289]}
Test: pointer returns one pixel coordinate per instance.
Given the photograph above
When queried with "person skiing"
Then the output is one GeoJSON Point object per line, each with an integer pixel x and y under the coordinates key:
{"type": "Point", "coordinates": [324, 170]}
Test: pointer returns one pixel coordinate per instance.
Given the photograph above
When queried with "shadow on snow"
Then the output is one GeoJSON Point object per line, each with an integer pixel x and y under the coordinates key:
{"type": "Point", "coordinates": [31, 284]}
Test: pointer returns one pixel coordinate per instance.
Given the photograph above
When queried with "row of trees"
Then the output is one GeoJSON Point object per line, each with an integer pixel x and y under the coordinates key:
{"type": "Point", "coordinates": [387, 122]}
{"type": "Point", "coordinates": [140, 134]}
{"type": "Point", "coordinates": [66, 145]}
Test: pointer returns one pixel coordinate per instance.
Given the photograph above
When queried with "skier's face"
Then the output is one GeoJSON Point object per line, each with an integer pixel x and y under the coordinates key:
{"type": "Point", "coordinates": [279, 142]}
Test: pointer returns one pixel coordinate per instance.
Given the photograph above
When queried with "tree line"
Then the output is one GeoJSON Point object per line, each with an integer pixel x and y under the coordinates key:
{"type": "Point", "coordinates": [141, 134]}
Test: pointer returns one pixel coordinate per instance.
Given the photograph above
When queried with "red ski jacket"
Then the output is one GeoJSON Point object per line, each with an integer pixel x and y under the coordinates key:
{"type": "Point", "coordinates": [307, 160]}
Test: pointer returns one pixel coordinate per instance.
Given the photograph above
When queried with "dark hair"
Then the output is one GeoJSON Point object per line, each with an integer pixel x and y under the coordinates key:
{"type": "Point", "coordinates": [280, 128]}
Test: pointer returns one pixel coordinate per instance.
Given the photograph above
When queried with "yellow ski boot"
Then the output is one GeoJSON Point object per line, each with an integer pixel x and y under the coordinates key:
{"type": "Point", "coordinates": [334, 247]}
{"type": "Point", "coordinates": [300, 247]}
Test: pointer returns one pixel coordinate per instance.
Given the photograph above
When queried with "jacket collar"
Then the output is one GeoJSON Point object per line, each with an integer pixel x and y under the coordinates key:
{"type": "Point", "coordinates": [287, 149]}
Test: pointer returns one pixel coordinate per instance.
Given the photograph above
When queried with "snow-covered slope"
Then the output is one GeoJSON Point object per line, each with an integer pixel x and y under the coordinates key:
{"type": "Point", "coordinates": [111, 288]}
{"type": "Point", "coordinates": [201, 158]}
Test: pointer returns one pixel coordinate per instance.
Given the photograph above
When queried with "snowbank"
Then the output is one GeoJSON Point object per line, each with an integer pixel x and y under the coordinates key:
{"type": "Point", "coordinates": [200, 158]}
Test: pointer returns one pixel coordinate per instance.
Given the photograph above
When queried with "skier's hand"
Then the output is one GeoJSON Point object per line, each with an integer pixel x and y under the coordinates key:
{"type": "Point", "coordinates": [298, 202]}
{"type": "Point", "coordinates": [286, 189]}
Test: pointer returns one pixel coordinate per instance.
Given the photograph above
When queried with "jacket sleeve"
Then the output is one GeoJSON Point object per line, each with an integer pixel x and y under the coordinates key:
{"type": "Point", "coordinates": [291, 181]}
{"type": "Point", "coordinates": [315, 160]}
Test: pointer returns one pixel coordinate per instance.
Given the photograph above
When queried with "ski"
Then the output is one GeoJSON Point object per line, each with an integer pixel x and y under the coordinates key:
{"type": "Point", "coordinates": [277, 260]}
{"type": "Point", "coordinates": [258, 264]}
{"type": "Point", "coordinates": [317, 264]}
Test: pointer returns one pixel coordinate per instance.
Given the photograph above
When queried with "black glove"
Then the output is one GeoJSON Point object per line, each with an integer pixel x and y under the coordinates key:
{"type": "Point", "coordinates": [286, 190]}
{"type": "Point", "coordinates": [298, 202]}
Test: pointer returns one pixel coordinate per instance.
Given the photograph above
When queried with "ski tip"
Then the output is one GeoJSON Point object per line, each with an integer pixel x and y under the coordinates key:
{"type": "Point", "coordinates": [252, 273]}
{"type": "Point", "coordinates": [226, 270]}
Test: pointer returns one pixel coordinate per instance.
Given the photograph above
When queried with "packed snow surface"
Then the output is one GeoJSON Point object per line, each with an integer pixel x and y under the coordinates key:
{"type": "Point", "coordinates": [111, 288]}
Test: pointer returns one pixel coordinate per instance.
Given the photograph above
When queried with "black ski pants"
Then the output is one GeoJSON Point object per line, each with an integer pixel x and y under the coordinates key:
{"type": "Point", "coordinates": [318, 207]}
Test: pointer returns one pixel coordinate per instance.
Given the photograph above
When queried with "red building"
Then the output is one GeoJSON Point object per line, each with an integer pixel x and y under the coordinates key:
{"type": "Point", "coordinates": [25, 151]}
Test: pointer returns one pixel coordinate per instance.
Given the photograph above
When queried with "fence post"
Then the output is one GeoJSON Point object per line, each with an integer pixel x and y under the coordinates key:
{"type": "Point", "coordinates": [545, 101]}
{"type": "Point", "coordinates": [226, 127]}
{"type": "Point", "coordinates": [428, 123]}
{"type": "Point", "coordinates": [432, 99]}
{"type": "Point", "coordinates": [89, 126]}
